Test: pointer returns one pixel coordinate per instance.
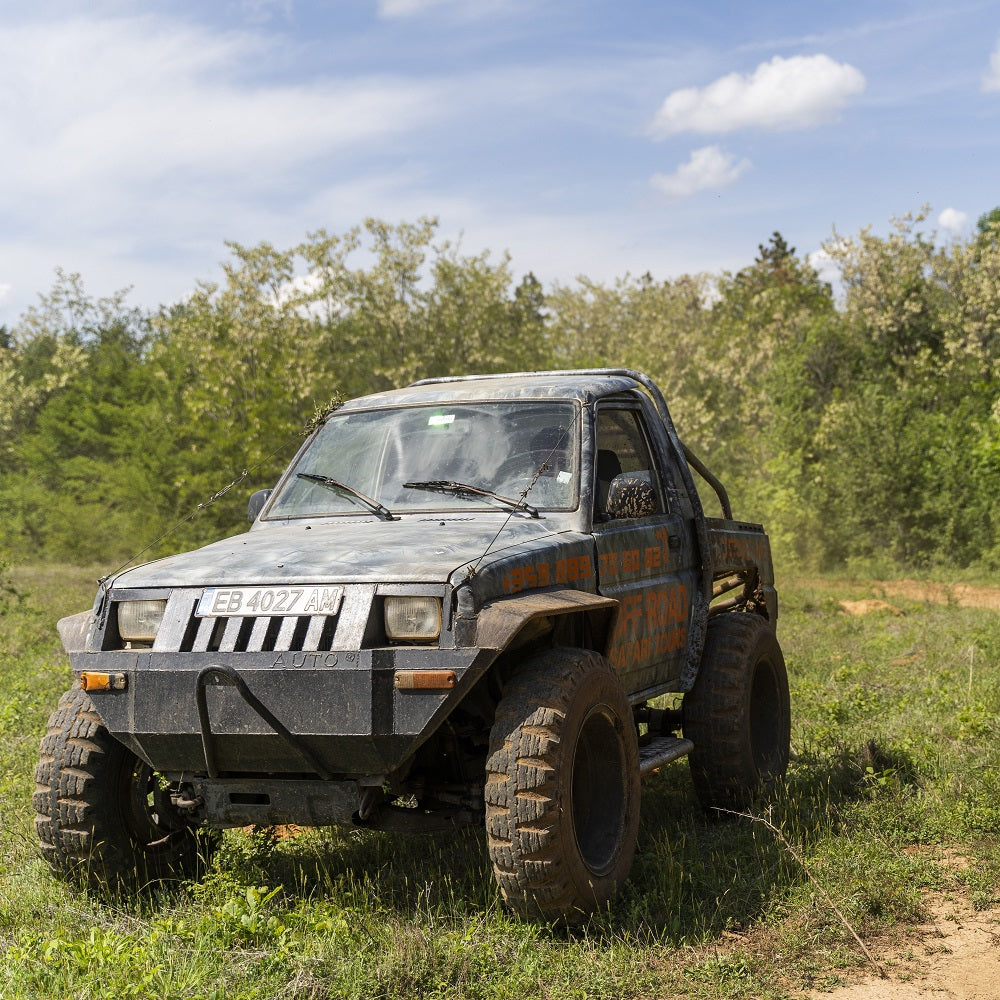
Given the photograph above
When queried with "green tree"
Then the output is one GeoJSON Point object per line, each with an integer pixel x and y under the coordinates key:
{"type": "Point", "coordinates": [74, 404]}
{"type": "Point", "coordinates": [906, 450]}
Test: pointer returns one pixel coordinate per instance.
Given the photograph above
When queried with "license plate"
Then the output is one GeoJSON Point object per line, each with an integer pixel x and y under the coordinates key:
{"type": "Point", "coordinates": [249, 602]}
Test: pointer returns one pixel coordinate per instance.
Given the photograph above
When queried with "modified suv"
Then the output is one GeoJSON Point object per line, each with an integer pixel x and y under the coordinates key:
{"type": "Point", "coordinates": [463, 603]}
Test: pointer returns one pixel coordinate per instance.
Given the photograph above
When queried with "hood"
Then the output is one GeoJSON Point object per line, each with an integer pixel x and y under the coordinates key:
{"type": "Point", "coordinates": [410, 550]}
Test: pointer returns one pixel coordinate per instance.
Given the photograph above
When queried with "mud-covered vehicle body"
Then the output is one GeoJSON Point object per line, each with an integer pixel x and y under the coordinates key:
{"type": "Point", "coordinates": [456, 606]}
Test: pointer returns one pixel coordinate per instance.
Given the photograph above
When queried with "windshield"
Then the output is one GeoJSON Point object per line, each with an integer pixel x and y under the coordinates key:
{"type": "Point", "coordinates": [498, 447]}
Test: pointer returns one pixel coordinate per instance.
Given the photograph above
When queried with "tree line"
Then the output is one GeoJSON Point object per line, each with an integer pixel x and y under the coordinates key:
{"type": "Point", "coordinates": [860, 420]}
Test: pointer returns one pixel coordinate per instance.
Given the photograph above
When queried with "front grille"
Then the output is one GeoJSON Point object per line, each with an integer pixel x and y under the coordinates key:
{"type": "Point", "coordinates": [184, 632]}
{"type": "Point", "coordinates": [256, 635]}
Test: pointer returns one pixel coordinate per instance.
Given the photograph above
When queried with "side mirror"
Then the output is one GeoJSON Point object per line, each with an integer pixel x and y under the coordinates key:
{"type": "Point", "coordinates": [631, 495]}
{"type": "Point", "coordinates": [256, 505]}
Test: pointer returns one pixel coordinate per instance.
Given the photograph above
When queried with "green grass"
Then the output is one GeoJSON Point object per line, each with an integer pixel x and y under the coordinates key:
{"type": "Point", "coordinates": [896, 727]}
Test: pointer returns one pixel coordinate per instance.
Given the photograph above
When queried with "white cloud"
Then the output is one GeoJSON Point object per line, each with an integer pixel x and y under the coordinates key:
{"type": "Point", "coordinates": [824, 264]}
{"type": "Point", "coordinates": [991, 79]}
{"type": "Point", "coordinates": [953, 220]}
{"type": "Point", "coordinates": [132, 147]}
{"type": "Point", "coordinates": [708, 167]}
{"type": "Point", "coordinates": [96, 108]}
{"type": "Point", "coordinates": [4, 290]}
{"type": "Point", "coordinates": [799, 92]}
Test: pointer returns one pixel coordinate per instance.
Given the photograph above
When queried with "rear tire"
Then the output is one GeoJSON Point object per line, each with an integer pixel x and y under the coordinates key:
{"type": "Point", "coordinates": [562, 787]}
{"type": "Point", "coordinates": [738, 714]}
{"type": "Point", "coordinates": [102, 815]}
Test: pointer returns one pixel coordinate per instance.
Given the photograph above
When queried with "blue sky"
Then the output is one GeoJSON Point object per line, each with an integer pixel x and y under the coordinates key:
{"type": "Point", "coordinates": [583, 137]}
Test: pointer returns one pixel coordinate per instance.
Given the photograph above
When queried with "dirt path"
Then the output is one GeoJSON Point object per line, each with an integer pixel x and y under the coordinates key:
{"type": "Point", "coordinates": [955, 956]}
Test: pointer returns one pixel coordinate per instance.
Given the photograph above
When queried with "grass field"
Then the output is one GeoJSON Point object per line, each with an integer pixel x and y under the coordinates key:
{"type": "Point", "coordinates": [893, 796]}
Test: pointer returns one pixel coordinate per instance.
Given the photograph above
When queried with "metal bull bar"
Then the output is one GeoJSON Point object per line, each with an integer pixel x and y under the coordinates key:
{"type": "Point", "coordinates": [226, 675]}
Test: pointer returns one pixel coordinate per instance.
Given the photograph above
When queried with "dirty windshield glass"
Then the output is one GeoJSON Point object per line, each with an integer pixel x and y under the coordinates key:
{"type": "Point", "coordinates": [491, 446]}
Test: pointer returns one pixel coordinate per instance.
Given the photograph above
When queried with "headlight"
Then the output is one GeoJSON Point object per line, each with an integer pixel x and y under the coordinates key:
{"type": "Point", "coordinates": [139, 620]}
{"type": "Point", "coordinates": [412, 619]}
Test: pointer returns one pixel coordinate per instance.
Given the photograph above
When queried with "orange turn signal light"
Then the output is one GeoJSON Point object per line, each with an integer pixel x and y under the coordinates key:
{"type": "Point", "coordinates": [91, 680]}
{"type": "Point", "coordinates": [425, 680]}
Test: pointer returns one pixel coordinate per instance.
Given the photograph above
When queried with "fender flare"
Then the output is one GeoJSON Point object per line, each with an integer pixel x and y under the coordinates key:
{"type": "Point", "coordinates": [74, 631]}
{"type": "Point", "coordinates": [500, 620]}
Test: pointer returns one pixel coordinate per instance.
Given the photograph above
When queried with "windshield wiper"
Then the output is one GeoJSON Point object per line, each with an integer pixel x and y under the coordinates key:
{"type": "Point", "coordinates": [465, 490]}
{"type": "Point", "coordinates": [349, 491]}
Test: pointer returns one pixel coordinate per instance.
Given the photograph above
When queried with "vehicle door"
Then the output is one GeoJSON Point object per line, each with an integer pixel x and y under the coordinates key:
{"type": "Point", "coordinates": [645, 550]}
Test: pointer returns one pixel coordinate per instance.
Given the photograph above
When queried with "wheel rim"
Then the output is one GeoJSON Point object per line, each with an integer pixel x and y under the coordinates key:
{"type": "Point", "coordinates": [599, 790]}
{"type": "Point", "coordinates": [143, 805]}
{"type": "Point", "coordinates": [765, 720]}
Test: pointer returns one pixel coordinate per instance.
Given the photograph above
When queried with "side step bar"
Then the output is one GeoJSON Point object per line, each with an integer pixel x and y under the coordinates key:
{"type": "Point", "coordinates": [662, 750]}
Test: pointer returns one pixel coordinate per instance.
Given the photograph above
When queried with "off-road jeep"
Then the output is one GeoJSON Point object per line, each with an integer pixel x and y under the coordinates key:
{"type": "Point", "coordinates": [456, 606]}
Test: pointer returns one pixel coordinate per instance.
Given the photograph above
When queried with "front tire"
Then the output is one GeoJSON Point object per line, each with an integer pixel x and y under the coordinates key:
{"type": "Point", "coordinates": [102, 815]}
{"type": "Point", "coordinates": [738, 715]}
{"type": "Point", "coordinates": [562, 787]}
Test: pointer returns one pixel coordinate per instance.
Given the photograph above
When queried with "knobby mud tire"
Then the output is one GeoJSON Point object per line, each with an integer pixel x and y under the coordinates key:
{"type": "Point", "coordinates": [102, 818]}
{"type": "Point", "coordinates": [562, 787]}
{"type": "Point", "coordinates": [738, 714]}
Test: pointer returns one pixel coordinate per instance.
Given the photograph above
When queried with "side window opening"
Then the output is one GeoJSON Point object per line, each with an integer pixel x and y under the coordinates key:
{"type": "Point", "coordinates": [623, 451]}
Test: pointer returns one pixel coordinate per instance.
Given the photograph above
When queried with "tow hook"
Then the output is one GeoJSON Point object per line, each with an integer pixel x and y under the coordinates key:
{"type": "Point", "coordinates": [182, 801]}
{"type": "Point", "coordinates": [372, 797]}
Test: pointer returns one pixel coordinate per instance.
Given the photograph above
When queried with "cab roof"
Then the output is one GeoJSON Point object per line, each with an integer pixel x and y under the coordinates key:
{"type": "Point", "coordinates": [583, 386]}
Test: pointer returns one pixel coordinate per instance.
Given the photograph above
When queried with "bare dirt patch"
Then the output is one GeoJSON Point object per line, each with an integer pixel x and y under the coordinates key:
{"type": "Point", "coordinates": [962, 594]}
{"type": "Point", "coordinates": [954, 956]}
{"type": "Point", "coordinates": [868, 607]}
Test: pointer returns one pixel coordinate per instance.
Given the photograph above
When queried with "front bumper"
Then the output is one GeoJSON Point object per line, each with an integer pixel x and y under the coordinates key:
{"type": "Point", "coordinates": [344, 708]}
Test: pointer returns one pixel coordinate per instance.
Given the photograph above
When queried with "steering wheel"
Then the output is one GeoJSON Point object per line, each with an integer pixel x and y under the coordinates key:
{"type": "Point", "coordinates": [520, 467]}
